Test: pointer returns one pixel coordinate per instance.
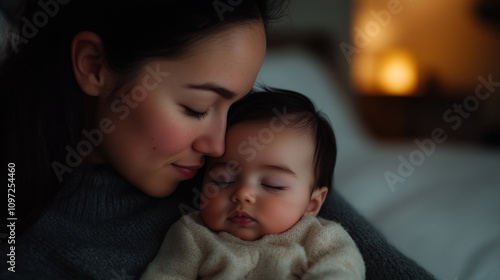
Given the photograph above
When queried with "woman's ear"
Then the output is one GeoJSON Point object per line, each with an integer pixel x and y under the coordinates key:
{"type": "Point", "coordinates": [87, 55]}
{"type": "Point", "coordinates": [317, 198]}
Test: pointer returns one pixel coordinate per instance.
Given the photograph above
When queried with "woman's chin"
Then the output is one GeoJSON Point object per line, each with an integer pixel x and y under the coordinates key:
{"type": "Point", "coordinates": [160, 191]}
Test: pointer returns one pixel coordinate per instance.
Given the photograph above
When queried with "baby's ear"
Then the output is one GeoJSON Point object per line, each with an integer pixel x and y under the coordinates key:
{"type": "Point", "coordinates": [317, 198]}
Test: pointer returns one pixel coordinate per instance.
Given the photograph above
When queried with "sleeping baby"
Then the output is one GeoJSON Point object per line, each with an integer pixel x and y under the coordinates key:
{"type": "Point", "coordinates": [262, 197]}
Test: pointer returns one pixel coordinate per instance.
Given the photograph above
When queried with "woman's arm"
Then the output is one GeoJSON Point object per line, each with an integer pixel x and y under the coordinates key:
{"type": "Point", "coordinates": [382, 260]}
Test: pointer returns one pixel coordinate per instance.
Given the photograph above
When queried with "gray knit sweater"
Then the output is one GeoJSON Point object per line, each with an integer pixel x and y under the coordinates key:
{"type": "Point", "coordinates": [101, 227]}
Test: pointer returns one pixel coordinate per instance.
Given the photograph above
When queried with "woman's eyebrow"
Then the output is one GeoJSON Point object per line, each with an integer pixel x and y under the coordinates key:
{"type": "Point", "coordinates": [224, 92]}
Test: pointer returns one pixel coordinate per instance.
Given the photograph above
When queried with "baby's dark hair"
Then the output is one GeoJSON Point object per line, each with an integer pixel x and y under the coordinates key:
{"type": "Point", "coordinates": [264, 104]}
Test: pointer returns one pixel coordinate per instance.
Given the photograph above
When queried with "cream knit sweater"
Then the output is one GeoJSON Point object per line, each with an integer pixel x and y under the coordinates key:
{"type": "Point", "coordinates": [314, 248]}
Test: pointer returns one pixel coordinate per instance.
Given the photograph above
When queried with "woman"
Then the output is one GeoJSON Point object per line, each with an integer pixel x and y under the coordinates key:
{"type": "Point", "coordinates": [110, 106]}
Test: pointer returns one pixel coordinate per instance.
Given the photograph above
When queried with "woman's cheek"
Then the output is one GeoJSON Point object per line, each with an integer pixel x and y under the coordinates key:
{"type": "Point", "coordinates": [169, 137]}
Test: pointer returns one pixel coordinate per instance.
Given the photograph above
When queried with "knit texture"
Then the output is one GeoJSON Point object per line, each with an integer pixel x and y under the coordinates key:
{"type": "Point", "coordinates": [312, 249]}
{"type": "Point", "coordinates": [382, 260]}
{"type": "Point", "coordinates": [101, 227]}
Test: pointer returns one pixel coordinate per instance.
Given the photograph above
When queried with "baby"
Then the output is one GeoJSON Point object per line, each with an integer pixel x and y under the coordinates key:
{"type": "Point", "coordinates": [262, 197]}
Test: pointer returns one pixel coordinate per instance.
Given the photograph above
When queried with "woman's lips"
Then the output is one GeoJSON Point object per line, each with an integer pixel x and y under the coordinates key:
{"type": "Point", "coordinates": [186, 171]}
{"type": "Point", "coordinates": [240, 218]}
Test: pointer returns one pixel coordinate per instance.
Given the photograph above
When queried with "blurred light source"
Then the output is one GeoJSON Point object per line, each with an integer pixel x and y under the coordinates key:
{"type": "Point", "coordinates": [397, 74]}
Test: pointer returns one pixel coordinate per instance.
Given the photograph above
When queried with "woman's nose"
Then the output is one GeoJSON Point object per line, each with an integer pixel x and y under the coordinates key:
{"type": "Point", "coordinates": [244, 194]}
{"type": "Point", "coordinates": [211, 142]}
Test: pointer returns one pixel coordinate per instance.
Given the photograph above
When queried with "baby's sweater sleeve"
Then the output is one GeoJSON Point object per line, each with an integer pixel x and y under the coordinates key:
{"type": "Point", "coordinates": [333, 254]}
{"type": "Point", "coordinates": [179, 256]}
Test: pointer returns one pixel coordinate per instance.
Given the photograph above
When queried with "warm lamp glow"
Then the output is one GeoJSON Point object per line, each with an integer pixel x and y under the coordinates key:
{"type": "Point", "coordinates": [397, 74]}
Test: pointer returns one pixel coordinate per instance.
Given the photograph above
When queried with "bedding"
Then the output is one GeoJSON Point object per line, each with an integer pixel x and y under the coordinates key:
{"type": "Point", "coordinates": [436, 202]}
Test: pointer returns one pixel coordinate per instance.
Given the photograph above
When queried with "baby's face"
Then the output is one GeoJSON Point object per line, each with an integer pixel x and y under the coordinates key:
{"type": "Point", "coordinates": [263, 182]}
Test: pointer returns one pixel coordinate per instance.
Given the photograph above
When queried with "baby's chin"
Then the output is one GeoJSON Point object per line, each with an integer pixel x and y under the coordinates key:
{"type": "Point", "coordinates": [246, 235]}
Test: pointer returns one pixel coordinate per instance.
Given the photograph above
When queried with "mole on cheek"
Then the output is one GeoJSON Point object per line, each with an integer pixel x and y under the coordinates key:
{"type": "Point", "coordinates": [152, 140]}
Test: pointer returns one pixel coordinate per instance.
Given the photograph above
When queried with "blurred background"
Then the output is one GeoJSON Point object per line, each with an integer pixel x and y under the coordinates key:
{"type": "Point", "coordinates": [406, 62]}
{"type": "Point", "coordinates": [388, 73]}
{"type": "Point", "coordinates": [402, 62]}
{"type": "Point", "coordinates": [412, 89]}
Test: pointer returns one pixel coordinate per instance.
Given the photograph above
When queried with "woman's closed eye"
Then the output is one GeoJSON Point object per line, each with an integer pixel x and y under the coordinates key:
{"type": "Point", "coordinates": [195, 113]}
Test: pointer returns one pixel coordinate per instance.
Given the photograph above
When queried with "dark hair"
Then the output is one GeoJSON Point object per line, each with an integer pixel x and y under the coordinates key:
{"type": "Point", "coordinates": [46, 109]}
{"type": "Point", "coordinates": [262, 105]}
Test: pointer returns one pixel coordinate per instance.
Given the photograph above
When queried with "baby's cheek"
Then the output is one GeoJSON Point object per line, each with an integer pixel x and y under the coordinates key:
{"type": "Point", "coordinates": [281, 217]}
{"type": "Point", "coordinates": [214, 208]}
{"type": "Point", "coordinates": [210, 217]}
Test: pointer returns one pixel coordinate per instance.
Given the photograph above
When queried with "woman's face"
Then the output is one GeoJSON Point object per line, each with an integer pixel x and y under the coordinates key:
{"type": "Point", "coordinates": [174, 112]}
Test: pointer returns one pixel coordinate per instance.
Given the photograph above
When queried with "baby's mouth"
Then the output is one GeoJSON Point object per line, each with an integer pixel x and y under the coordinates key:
{"type": "Point", "coordinates": [240, 218]}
